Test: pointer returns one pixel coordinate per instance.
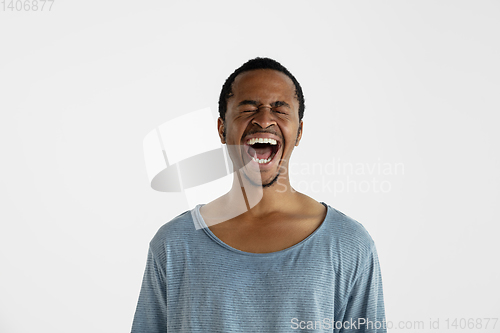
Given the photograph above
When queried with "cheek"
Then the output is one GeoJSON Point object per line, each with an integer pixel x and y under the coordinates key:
{"type": "Point", "coordinates": [292, 136]}
{"type": "Point", "coordinates": [238, 125]}
{"type": "Point", "coordinates": [233, 131]}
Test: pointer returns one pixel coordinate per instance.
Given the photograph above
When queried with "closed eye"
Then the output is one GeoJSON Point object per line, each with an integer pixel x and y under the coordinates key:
{"type": "Point", "coordinates": [280, 111]}
{"type": "Point", "coordinates": [274, 109]}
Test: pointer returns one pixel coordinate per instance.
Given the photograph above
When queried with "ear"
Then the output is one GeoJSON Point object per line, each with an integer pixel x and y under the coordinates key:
{"type": "Point", "coordinates": [299, 133]}
{"type": "Point", "coordinates": [221, 128]}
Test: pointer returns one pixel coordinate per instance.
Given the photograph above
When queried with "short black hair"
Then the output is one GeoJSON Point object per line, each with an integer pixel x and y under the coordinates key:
{"type": "Point", "coordinates": [258, 63]}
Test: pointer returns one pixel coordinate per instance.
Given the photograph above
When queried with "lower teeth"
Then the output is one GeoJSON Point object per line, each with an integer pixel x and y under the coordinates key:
{"type": "Point", "coordinates": [263, 161]}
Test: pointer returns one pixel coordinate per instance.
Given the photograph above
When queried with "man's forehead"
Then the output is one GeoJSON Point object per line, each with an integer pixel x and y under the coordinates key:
{"type": "Point", "coordinates": [263, 79]}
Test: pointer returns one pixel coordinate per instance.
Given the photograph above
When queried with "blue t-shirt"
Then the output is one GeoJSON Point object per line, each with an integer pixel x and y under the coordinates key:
{"type": "Point", "coordinates": [193, 282]}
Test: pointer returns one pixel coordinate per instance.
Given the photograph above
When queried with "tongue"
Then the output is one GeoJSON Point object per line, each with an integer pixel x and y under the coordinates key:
{"type": "Point", "coordinates": [260, 153]}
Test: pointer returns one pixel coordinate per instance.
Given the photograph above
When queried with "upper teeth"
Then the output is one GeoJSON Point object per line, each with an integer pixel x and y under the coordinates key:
{"type": "Point", "coordinates": [261, 140]}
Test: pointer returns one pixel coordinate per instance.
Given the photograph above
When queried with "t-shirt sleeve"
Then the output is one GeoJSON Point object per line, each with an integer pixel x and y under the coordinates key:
{"type": "Point", "coordinates": [151, 312]}
{"type": "Point", "coordinates": [364, 310]}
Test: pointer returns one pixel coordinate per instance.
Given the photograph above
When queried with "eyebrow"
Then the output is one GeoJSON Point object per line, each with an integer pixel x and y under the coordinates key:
{"type": "Point", "coordinates": [255, 103]}
{"type": "Point", "coordinates": [248, 102]}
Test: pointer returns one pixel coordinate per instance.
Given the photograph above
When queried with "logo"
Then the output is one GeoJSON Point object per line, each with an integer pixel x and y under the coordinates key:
{"type": "Point", "coordinates": [185, 155]}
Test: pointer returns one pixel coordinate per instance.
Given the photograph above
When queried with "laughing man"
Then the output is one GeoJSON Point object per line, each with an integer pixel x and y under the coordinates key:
{"type": "Point", "coordinates": [264, 257]}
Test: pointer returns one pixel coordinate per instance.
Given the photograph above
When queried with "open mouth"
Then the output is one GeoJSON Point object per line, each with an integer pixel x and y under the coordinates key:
{"type": "Point", "coordinates": [262, 151]}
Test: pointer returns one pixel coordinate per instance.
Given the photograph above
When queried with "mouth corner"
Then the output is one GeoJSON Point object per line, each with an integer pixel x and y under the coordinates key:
{"type": "Point", "coordinates": [277, 147]}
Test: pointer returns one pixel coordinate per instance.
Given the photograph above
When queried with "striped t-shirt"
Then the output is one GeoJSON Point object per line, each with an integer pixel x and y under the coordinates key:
{"type": "Point", "coordinates": [194, 282]}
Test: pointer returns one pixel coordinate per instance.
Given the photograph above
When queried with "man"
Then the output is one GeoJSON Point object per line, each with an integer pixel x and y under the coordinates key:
{"type": "Point", "coordinates": [266, 258]}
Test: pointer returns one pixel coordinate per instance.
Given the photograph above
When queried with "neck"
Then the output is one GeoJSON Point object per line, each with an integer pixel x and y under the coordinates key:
{"type": "Point", "coordinates": [262, 200]}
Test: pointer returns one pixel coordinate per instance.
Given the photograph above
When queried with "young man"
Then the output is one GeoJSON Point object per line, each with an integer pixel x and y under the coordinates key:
{"type": "Point", "coordinates": [265, 258]}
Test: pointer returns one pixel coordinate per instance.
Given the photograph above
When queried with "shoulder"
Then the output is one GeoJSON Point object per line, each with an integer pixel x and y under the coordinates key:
{"type": "Point", "coordinates": [350, 236]}
{"type": "Point", "coordinates": [172, 231]}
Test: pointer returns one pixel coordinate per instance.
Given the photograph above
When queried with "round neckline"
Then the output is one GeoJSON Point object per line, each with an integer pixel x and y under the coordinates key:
{"type": "Point", "coordinates": [209, 232]}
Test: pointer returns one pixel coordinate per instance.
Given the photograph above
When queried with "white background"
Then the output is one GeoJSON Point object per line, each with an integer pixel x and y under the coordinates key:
{"type": "Point", "coordinates": [412, 82]}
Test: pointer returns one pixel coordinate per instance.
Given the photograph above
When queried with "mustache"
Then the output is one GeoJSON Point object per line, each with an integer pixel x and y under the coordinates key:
{"type": "Point", "coordinates": [261, 132]}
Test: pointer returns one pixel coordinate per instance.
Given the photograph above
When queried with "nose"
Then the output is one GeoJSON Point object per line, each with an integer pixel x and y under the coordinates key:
{"type": "Point", "coordinates": [265, 117]}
